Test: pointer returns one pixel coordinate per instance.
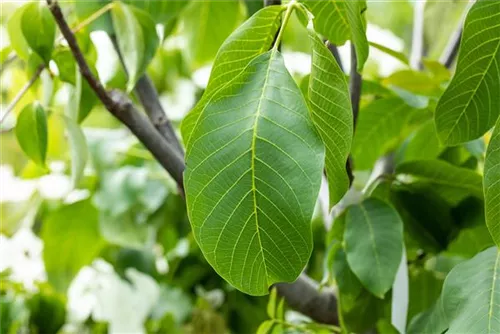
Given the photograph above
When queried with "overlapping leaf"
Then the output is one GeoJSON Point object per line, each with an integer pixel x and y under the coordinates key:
{"type": "Point", "coordinates": [31, 132]}
{"type": "Point", "coordinates": [470, 300]}
{"type": "Point", "coordinates": [492, 185]}
{"type": "Point", "coordinates": [374, 244]}
{"type": "Point", "coordinates": [253, 174]}
{"type": "Point", "coordinates": [332, 115]}
{"type": "Point", "coordinates": [207, 24]}
{"type": "Point", "coordinates": [251, 39]}
{"type": "Point", "coordinates": [443, 176]}
{"type": "Point", "coordinates": [379, 128]}
{"type": "Point", "coordinates": [470, 105]}
{"type": "Point", "coordinates": [341, 20]}
{"type": "Point", "coordinates": [137, 39]}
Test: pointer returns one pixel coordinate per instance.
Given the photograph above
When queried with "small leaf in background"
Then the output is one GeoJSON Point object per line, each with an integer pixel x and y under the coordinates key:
{"type": "Point", "coordinates": [470, 105]}
{"type": "Point", "coordinates": [79, 152]}
{"type": "Point", "coordinates": [339, 21]}
{"type": "Point", "coordinates": [234, 55]}
{"type": "Point", "coordinates": [358, 308]}
{"type": "Point", "coordinates": [380, 128]}
{"type": "Point", "coordinates": [71, 241]}
{"type": "Point", "coordinates": [357, 23]}
{"type": "Point", "coordinates": [206, 25]}
{"type": "Point", "coordinates": [82, 99]}
{"type": "Point", "coordinates": [271, 304]}
{"type": "Point", "coordinates": [374, 244]}
{"type": "Point", "coordinates": [423, 144]}
{"type": "Point", "coordinates": [492, 184]}
{"type": "Point", "coordinates": [443, 176]}
{"type": "Point", "coordinates": [331, 112]}
{"type": "Point", "coordinates": [16, 36]}
{"type": "Point", "coordinates": [31, 132]}
{"type": "Point", "coordinates": [66, 65]}
{"type": "Point", "coordinates": [415, 82]}
{"type": "Point", "coordinates": [39, 29]}
{"type": "Point", "coordinates": [137, 39]}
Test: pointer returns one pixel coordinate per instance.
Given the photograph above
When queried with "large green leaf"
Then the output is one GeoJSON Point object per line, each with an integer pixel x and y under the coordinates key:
{"type": "Point", "coordinates": [31, 132]}
{"type": "Point", "coordinates": [71, 240]}
{"type": "Point", "coordinates": [424, 144]}
{"type": "Point", "coordinates": [206, 25]}
{"type": "Point", "coordinates": [252, 178]}
{"type": "Point", "coordinates": [137, 39]}
{"type": "Point", "coordinates": [380, 127]}
{"type": "Point", "coordinates": [251, 39]}
{"type": "Point", "coordinates": [341, 20]}
{"type": "Point", "coordinates": [471, 295]}
{"type": "Point", "coordinates": [39, 29]}
{"type": "Point", "coordinates": [443, 176]}
{"type": "Point", "coordinates": [374, 244]}
{"type": "Point", "coordinates": [470, 105]}
{"type": "Point", "coordinates": [332, 115]}
{"type": "Point", "coordinates": [492, 184]}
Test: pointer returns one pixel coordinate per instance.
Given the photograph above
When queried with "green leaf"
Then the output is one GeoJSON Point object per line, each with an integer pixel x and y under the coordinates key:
{"type": "Point", "coordinates": [443, 176]}
{"type": "Point", "coordinates": [84, 9]}
{"type": "Point", "coordinates": [200, 19]}
{"type": "Point", "coordinates": [415, 82]}
{"type": "Point", "coordinates": [271, 304]}
{"type": "Point", "coordinates": [374, 244]}
{"type": "Point", "coordinates": [339, 21]}
{"type": "Point", "coordinates": [471, 294]}
{"type": "Point", "coordinates": [66, 65]}
{"type": "Point", "coordinates": [39, 29]}
{"type": "Point", "coordinates": [380, 128]}
{"type": "Point", "coordinates": [430, 321]}
{"type": "Point", "coordinates": [79, 152]}
{"type": "Point", "coordinates": [332, 114]}
{"type": "Point", "coordinates": [424, 144]}
{"type": "Point", "coordinates": [393, 53]}
{"type": "Point", "coordinates": [492, 185]}
{"type": "Point", "coordinates": [265, 327]}
{"type": "Point", "coordinates": [252, 178]}
{"type": "Point", "coordinates": [82, 98]}
{"type": "Point", "coordinates": [161, 11]}
{"type": "Point", "coordinates": [71, 240]}
{"type": "Point", "coordinates": [16, 36]}
{"type": "Point", "coordinates": [358, 308]}
{"type": "Point", "coordinates": [234, 55]}
{"type": "Point", "coordinates": [137, 39]}
{"type": "Point", "coordinates": [470, 106]}
{"type": "Point", "coordinates": [31, 132]}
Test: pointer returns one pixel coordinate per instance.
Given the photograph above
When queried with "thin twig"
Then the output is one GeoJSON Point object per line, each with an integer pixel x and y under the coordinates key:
{"type": "Point", "coordinates": [417, 47]}
{"type": "Point", "coordinates": [21, 93]}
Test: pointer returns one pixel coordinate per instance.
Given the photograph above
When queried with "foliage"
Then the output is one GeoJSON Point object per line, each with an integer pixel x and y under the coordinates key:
{"type": "Point", "coordinates": [394, 206]}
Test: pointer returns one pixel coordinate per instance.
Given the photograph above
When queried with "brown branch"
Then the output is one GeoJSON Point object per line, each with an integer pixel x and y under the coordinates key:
{"type": "Point", "coordinates": [121, 107]}
{"type": "Point", "coordinates": [303, 295]}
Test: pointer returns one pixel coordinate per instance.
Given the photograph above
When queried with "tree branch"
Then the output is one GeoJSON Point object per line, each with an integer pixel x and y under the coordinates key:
{"type": "Point", "coordinates": [150, 100]}
{"type": "Point", "coordinates": [303, 295]}
{"type": "Point", "coordinates": [121, 107]}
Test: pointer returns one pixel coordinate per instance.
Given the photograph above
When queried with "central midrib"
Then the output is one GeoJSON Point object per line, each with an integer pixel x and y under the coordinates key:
{"type": "Point", "coordinates": [254, 139]}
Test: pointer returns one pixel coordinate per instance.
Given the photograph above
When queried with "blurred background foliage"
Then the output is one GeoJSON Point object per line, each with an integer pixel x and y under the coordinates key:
{"type": "Point", "coordinates": [115, 252]}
